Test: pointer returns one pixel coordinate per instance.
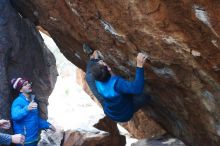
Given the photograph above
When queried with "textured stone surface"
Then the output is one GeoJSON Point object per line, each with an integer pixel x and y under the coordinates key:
{"type": "Point", "coordinates": [81, 138]}
{"type": "Point", "coordinates": [164, 142]}
{"type": "Point", "coordinates": [108, 136]}
{"type": "Point", "coordinates": [181, 37]}
{"type": "Point", "coordinates": [50, 138]}
{"type": "Point", "coordinates": [142, 126]}
{"type": "Point", "coordinates": [103, 133]}
{"type": "Point", "coordinates": [23, 54]}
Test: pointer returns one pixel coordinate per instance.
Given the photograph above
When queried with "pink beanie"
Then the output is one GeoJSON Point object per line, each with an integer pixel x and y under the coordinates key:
{"type": "Point", "coordinates": [17, 84]}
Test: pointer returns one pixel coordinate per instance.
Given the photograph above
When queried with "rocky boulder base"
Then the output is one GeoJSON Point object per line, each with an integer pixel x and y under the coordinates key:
{"type": "Point", "coordinates": [164, 142]}
{"type": "Point", "coordinates": [105, 134]}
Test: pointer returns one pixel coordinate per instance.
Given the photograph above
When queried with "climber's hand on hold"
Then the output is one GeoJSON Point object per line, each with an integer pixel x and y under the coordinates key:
{"type": "Point", "coordinates": [141, 57]}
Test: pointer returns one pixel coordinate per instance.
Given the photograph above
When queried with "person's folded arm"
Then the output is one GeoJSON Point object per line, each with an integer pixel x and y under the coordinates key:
{"type": "Point", "coordinates": [18, 111]}
{"type": "Point", "coordinates": [5, 139]}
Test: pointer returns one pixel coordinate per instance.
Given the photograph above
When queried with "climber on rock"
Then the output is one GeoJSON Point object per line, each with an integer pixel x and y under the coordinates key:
{"type": "Point", "coordinates": [119, 98]}
{"type": "Point", "coordinates": [25, 114]}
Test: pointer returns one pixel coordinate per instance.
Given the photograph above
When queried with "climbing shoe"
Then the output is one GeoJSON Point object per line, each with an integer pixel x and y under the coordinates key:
{"type": "Point", "coordinates": [87, 49]}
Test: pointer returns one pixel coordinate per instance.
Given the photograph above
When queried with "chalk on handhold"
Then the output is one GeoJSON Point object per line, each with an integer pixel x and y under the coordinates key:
{"type": "Point", "coordinates": [109, 28]}
{"type": "Point", "coordinates": [99, 54]}
{"type": "Point", "coordinates": [87, 49]}
{"type": "Point", "coordinates": [146, 55]}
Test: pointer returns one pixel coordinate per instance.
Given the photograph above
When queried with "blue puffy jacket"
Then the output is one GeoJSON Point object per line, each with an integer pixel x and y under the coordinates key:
{"type": "Point", "coordinates": [116, 106]}
{"type": "Point", "coordinates": [27, 122]}
{"type": "Point", "coordinates": [117, 94]}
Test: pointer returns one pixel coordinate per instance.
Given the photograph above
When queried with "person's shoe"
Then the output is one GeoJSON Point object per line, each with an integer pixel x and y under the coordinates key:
{"type": "Point", "coordinates": [98, 55]}
{"type": "Point", "coordinates": [87, 49]}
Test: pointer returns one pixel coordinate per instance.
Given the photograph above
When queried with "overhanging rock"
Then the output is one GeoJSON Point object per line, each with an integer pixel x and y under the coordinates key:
{"type": "Point", "coordinates": [181, 37]}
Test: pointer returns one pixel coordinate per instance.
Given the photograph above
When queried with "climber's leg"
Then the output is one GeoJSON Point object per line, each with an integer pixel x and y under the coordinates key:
{"type": "Point", "coordinates": [140, 100]}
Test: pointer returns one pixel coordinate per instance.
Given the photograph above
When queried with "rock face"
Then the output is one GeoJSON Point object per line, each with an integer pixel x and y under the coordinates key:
{"type": "Point", "coordinates": [23, 54]}
{"type": "Point", "coordinates": [142, 126]}
{"type": "Point", "coordinates": [181, 37]}
{"type": "Point", "coordinates": [80, 138]}
{"type": "Point", "coordinates": [167, 142]}
{"type": "Point", "coordinates": [110, 135]}
{"type": "Point", "coordinates": [103, 133]}
{"type": "Point", "coordinates": [50, 138]}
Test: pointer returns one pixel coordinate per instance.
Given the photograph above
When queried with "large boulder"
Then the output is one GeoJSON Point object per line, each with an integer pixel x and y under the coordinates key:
{"type": "Point", "coordinates": [105, 134]}
{"type": "Point", "coordinates": [23, 54]}
{"type": "Point", "coordinates": [161, 142]}
{"type": "Point", "coordinates": [51, 138]}
{"type": "Point", "coordinates": [142, 126]}
{"type": "Point", "coordinates": [181, 37]}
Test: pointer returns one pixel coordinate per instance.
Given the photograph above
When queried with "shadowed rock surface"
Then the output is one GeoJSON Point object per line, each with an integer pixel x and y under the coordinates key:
{"type": "Point", "coordinates": [23, 54]}
{"type": "Point", "coordinates": [167, 142]}
{"type": "Point", "coordinates": [181, 37]}
{"type": "Point", "coordinates": [108, 136]}
{"type": "Point", "coordinates": [104, 133]}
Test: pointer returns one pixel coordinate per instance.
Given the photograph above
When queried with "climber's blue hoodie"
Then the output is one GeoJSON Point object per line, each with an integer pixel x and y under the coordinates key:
{"type": "Point", "coordinates": [117, 95]}
{"type": "Point", "coordinates": [26, 122]}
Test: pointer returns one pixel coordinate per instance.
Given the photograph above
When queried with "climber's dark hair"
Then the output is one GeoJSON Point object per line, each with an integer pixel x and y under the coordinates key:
{"type": "Point", "coordinates": [100, 72]}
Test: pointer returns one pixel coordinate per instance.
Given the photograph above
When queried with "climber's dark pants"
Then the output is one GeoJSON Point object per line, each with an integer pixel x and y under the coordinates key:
{"type": "Point", "coordinates": [140, 100]}
{"type": "Point", "coordinates": [91, 81]}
